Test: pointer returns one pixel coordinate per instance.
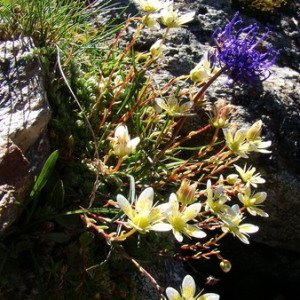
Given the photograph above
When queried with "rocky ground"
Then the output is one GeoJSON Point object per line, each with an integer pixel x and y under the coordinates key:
{"type": "Point", "coordinates": [268, 268]}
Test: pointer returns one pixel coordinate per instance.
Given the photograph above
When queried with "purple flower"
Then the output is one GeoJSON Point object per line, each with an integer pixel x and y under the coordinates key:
{"type": "Point", "coordinates": [240, 54]}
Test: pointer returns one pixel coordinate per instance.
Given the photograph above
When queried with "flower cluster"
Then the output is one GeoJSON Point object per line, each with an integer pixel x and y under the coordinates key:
{"type": "Point", "coordinates": [192, 196]}
{"type": "Point", "coordinates": [164, 217]}
{"type": "Point", "coordinates": [242, 55]}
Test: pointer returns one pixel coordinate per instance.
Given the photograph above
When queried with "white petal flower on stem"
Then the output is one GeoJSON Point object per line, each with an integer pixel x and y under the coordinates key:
{"type": "Point", "coordinates": [157, 48]}
{"type": "Point", "coordinates": [203, 70]}
{"type": "Point", "coordinates": [178, 219]}
{"type": "Point", "coordinates": [231, 223]}
{"type": "Point", "coordinates": [170, 18]}
{"type": "Point", "coordinates": [236, 141]}
{"type": "Point", "coordinates": [121, 143]}
{"type": "Point", "coordinates": [188, 291]}
{"type": "Point", "coordinates": [151, 6]}
{"type": "Point", "coordinates": [245, 140]}
{"type": "Point", "coordinates": [174, 108]}
{"type": "Point", "coordinates": [151, 21]}
{"type": "Point", "coordinates": [248, 175]}
{"type": "Point", "coordinates": [254, 139]}
{"type": "Point", "coordinates": [252, 201]}
{"type": "Point", "coordinates": [216, 199]}
{"type": "Point", "coordinates": [145, 216]}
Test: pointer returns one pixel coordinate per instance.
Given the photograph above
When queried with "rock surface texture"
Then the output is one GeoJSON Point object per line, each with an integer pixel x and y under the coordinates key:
{"type": "Point", "coordinates": [24, 115]}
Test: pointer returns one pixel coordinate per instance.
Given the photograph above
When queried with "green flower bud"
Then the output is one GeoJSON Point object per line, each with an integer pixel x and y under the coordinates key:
{"type": "Point", "coordinates": [225, 265]}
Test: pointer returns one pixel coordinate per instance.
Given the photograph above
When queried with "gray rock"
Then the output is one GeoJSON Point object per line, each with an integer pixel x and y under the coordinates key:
{"type": "Point", "coordinates": [24, 115]}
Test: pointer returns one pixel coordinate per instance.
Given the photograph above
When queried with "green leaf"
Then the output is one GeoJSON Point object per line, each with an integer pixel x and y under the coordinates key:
{"type": "Point", "coordinates": [45, 173]}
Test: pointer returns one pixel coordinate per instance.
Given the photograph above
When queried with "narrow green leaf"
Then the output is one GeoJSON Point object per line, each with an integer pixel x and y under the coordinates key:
{"type": "Point", "coordinates": [45, 173]}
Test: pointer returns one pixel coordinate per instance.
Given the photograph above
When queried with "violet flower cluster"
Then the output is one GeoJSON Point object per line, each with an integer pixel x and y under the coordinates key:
{"type": "Point", "coordinates": [240, 54]}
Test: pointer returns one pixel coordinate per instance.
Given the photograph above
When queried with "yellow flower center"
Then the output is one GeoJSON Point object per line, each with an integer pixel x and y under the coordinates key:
{"type": "Point", "coordinates": [141, 220]}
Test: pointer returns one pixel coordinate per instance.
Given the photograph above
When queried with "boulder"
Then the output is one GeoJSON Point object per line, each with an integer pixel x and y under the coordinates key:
{"type": "Point", "coordinates": [24, 115]}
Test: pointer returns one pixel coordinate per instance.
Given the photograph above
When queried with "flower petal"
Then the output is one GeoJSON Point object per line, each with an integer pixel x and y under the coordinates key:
{"type": "Point", "coordinates": [191, 211]}
{"type": "Point", "coordinates": [172, 294]}
{"type": "Point", "coordinates": [144, 202]}
{"type": "Point", "coordinates": [248, 228]}
{"type": "Point", "coordinates": [188, 287]}
{"type": "Point", "coordinates": [194, 231]}
{"type": "Point", "coordinates": [209, 296]}
{"type": "Point", "coordinates": [161, 226]}
{"type": "Point", "coordinates": [178, 236]}
{"type": "Point", "coordinates": [125, 206]}
{"type": "Point", "coordinates": [131, 145]}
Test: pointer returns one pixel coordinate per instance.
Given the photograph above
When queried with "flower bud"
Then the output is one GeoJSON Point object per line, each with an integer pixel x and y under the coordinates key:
{"type": "Point", "coordinates": [157, 48]}
{"type": "Point", "coordinates": [225, 265]}
{"type": "Point", "coordinates": [232, 178]}
{"type": "Point", "coordinates": [121, 143]}
{"type": "Point", "coordinates": [253, 133]}
{"type": "Point", "coordinates": [186, 192]}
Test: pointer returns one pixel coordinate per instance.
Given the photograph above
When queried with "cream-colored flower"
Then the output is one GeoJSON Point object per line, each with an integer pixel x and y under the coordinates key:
{"type": "Point", "coordinates": [203, 70]}
{"type": "Point", "coordinates": [179, 218]}
{"type": "Point", "coordinates": [145, 216]}
{"type": "Point", "coordinates": [121, 143]}
{"type": "Point", "coordinates": [236, 141]}
{"type": "Point", "coordinates": [248, 176]}
{"type": "Point", "coordinates": [254, 140]}
{"type": "Point", "coordinates": [188, 291]}
{"type": "Point", "coordinates": [173, 108]}
{"type": "Point", "coordinates": [151, 21]}
{"type": "Point", "coordinates": [216, 199]}
{"type": "Point", "coordinates": [252, 201]}
{"type": "Point", "coordinates": [186, 192]}
{"type": "Point", "coordinates": [151, 6]}
{"type": "Point", "coordinates": [231, 223]}
{"type": "Point", "coordinates": [157, 48]}
{"type": "Point", "coordinates": [170, 18]}
{"type": "Point", "coordinates": [245, 140]}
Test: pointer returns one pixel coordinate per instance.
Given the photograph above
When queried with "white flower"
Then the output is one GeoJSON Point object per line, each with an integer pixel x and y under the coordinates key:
{"type": "Point", "coordinates": [173, 108]}
{"type": "Point", "coordinates": [179, 218]}
{"type": "Point", "coordinates": [121, 143]}
{"type": "Point", "coordinates": [170, 18]}
{"type": "Point", "coordinates": [151, 6]}
{"type": "Point", "coordinates": [245, 140]}
{"type": "Point", "coordinates": [248, 176]}
{"type": "Point", "coordinates": [236, 141]}
{"type": "Point", "coordinates": [216, 199]}
{"type": "Point", "coordinates": [145, 216]}
{"type": "Point", "coordinates": [254, 140]}
{"type": "Point", "coordinates": [188, 290]}
{"type": "Point", "coordinates": [151, 21]}
{"type": "Point", "coordinates": [203, 70]}
{"type": "Point", "coordinates": [157, 48]}
{"type": "Point", "coordinates": [231, 223]}
{"type": "Point", "coordinates": [251, 201]}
